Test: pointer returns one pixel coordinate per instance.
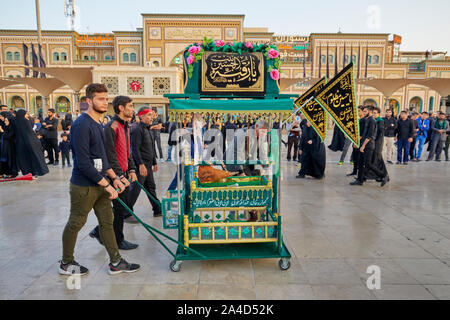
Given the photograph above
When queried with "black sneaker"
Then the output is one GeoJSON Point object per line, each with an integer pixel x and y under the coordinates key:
{"type": "Point", "coordinates": [300, 176]}
{"type": "Point", "coordinates": [390, 162]}
{"type": "Point", "coordinates": [384, 181]}
{"type": "Point", "coordinates": [123, 266]}
{"type": "Point", "coordinates": [95, 235]}
{"type": "Point", "coordinates": [351, 174]}
{"type": "Point", "coordinates": [72, 268]}
{"type": "Point", "coordinates": [356, 183]}
{"type": "Point", "coordinates": [125, 245]}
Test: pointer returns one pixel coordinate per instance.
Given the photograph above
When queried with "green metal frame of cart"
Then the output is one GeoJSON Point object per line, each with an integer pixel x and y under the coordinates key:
{"type": "Point", "coordinates": [211, 219]}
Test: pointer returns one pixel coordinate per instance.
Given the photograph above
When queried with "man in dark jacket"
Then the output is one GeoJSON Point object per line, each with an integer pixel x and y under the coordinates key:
{"type": "Point", "coordinates": [367, 150]}
{"type": "Point", "coordinates": [404, 137]}
{"type": "Point", "coordinates": [356, 153]}
{"type": "Point", "coordinates": [51, 126]}
{"type": "Point", "coordinates": [439, 129]}
{"type": "Point", "coordinates": [144, 154]}
{"type": "Point", "coordinates": [117, 143]}
{"type": "Point", "coordinates": [390, 124]}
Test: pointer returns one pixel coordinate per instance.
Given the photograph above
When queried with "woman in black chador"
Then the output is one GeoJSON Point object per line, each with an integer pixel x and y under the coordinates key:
{"type": "Point", "coordinates": [313, 154]}
{"type": "Point", "coordinates": [29, 150]}
{"type": "Point", "coordinates": [338, 141]}
{"type": "Point", "coordinates": [8, 161]}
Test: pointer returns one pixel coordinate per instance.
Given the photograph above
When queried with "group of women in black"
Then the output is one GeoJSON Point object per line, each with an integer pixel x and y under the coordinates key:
{"type": "Point", "coordinates": [20, 149]}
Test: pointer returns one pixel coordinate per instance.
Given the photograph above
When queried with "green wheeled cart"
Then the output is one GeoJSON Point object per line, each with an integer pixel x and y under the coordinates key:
{"type": "Point", "coordinates": [238, 217]}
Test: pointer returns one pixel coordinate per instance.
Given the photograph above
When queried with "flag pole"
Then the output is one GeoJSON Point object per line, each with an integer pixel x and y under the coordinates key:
{"type": "Point", "coordinates": [296, 111]}
{"type": "Point", "coordinates": [38, 22]}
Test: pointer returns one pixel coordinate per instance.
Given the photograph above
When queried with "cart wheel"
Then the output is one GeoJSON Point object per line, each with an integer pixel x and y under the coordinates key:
{"type": "Point", "coordinates": [175, 266]}
{"type": "Point", "coordinates": [284, 263]}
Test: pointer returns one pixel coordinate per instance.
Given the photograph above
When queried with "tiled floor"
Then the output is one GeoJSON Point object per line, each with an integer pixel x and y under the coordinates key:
{"type": "Point", "coordinates": [334, 232]}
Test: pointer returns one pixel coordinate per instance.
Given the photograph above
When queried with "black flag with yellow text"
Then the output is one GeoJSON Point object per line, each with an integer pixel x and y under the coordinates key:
{"type": "Point", "coordinates": [313, 111]}
{"type": "Point", "coordinates": [338, 98]}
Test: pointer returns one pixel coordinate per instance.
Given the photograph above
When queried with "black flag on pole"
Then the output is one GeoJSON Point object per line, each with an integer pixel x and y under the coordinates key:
{"type": "Point", "coordinates": [313, 111]}
{"type": "Point", "coordinates": [35, 61]}
{"type": "Point", "coordinates": [25, 59]}
{"type": "Point", "coordinates": [338, 98]}
{"type": "Point", "coordinates": [42, 61]}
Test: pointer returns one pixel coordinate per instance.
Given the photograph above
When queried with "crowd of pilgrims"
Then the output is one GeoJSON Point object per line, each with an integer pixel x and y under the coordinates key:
{"type": "Point", "coordinates": [25, 141]}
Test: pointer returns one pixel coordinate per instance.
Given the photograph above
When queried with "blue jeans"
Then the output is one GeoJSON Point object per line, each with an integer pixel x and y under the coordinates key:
{"type": "Point", "coordinates": [403, 145]}
{"type": "Point", "coordinates": [169, 153]}
{"type": "Point", "coordinates": [419, 146]}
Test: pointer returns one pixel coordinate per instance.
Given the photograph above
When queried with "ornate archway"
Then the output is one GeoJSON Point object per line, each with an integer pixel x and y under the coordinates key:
{"type": "Point", "coordinates": [394, 105]}
{"type": "Point", "coordinates": [16, 102]}
{"type": "Point", "coordinates": [62, 104]}
{"type": "Point", "coordinates": [416, 104]}
{"type": "Point", "coordinates": [370, 102]}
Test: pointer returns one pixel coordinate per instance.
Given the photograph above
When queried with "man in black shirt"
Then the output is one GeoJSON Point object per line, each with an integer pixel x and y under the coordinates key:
{"type": "Point", "coordinates": [389, 134]}
{"type": "Point", "coordinates": [144, 155]}
{"type": "Point", "coordinates": [51, 126]}
{"type": "Point", "coordinates": [366, 151]}
{"type": "Point", "coordinates": [156, 132]}
{"type": "Point", "coordinates": [362, 111]}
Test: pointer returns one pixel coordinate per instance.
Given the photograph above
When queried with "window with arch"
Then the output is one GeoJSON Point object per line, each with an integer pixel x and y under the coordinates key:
{"type": "Point", "coordinates": [92, 57]}
{"type": "Point", "coordinates": [354, 58]}
{"type": "Point", "coordinates": [133, 57]}
{"type": "Point", "coordinates": [63, 56]}
{"type": "Point", "coordinates": [376, 59]}
{"type": "Point", "coordinates": [9, 56]}
{"type": "Point", "coordinates": [16, 56]}
{"type": "Point", "coordinates": [369, 59]}
{"type": "Point", "coordinates": [346, 59]}
{"type": "Point", "coordinates": [430, 106]}
{"type": "Point", "coordinates": [323, 58]}
{"type": "Point", "coordinates": [156, 64]}
{"type": "Point", "coordinates": [125, 57]}
{"type": "Point", "coordinates": [86, 58]}
{"type": "Point", "coordinates": [107, 58]}
{"type": "Point", "coordinates": [330, 58]}
{"type": "Point", "coordinates": [55, 56]}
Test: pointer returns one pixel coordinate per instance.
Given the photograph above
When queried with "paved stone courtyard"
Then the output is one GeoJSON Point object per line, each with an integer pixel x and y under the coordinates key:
{"type": "Point", "coordinates": [334, 232]}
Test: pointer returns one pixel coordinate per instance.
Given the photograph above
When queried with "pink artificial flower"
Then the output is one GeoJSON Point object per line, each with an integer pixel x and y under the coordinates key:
{"type": "Point", "coordinates": [230, 43]}
{"type": "Point", "coordinates": [273, 54]}
{"type": "Point", "coordinates": [220, 43]}
{"type": "Point", "coordinates": [249, 45]}
{"type": "Point", "coordinates": [190, 59]}
{"type": "Point", "coordinates": [275, 74]}
{"type": "Point", "coordinates": [194, 49]}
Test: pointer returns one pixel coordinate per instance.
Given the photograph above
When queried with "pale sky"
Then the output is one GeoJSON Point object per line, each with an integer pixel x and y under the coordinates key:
{"type": "Point", "coordinates": [422, 24]}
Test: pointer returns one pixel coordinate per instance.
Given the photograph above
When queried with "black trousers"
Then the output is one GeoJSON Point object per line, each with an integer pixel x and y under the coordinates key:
{"type": "Point", "coordinates": [52, 147]}
{"type": "Point", "coordinates": [365, 163]}
{"type": "Point", "coordinates": [119, 214]}
{"type": "Point", "coordinates": [355, 157]}
{"type": "Point", "coordinates": [293, 141]}
{"type": "Point", "coordinates": [149, 184]}
{"type": "Point", "coordinates": [411, 148]}
{"type": "Point", "coordinates": [64, 157]}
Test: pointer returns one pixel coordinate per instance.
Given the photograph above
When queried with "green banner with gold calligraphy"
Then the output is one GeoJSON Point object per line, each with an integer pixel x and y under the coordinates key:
{"type": "Point", "coordinates": [338, 98]}
{"type": "Point", "coordinates": [313, 111]}
{"type": "Point", "coordinates": [228, 72]}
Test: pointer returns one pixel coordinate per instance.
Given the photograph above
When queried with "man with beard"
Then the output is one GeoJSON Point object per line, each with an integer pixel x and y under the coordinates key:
{"type": "Point", "coordinates": [28, 147]}
{"type": "Point", "coordinates": [377, 158]}
{"type": "Point", "coordinates": [51, 126]}
{"type": "Point", "coordinates": [118, 145]}
{"type": "Point", "coordinates": [89, 187]}
{"type": "Point", "coordinates": [8, 162]}
{"type": "Point", "coordinates": [312, 151]}
{"type": "Point", "coordinates": [405, 133]}
{"type": "Point", "coordinates": [367, 150]}
{"type": "Point", "coordinates": [356, 153]}
{"type": "Point", "coordinates": [144, 155]}
{"type": "Point", "coordinates": [439, 129]}
{"type": "Point", "coordinates": [389, 134]}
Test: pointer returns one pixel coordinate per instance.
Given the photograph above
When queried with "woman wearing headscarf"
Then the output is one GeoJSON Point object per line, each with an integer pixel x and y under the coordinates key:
{"type": "Point", "coordinates": [28, 148]}
{"type": "Point", "coordinates": [8, 161]}
{"type": "Point", "coordinates": [313, 154]}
